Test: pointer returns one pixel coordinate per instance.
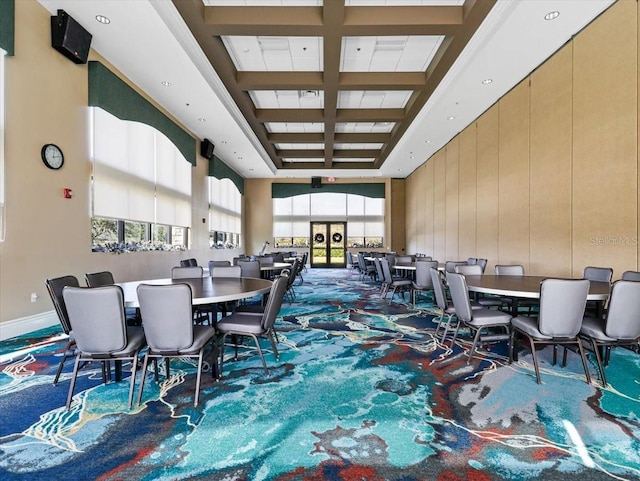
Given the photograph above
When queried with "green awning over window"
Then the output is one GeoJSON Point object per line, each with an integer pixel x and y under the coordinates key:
{"type": "Point", "coordinates": [280, 191]}
{"type": "Point", "coordinates": [220, 170]}
{"type": "Point", "coordinates": [111, 93]}
{"type": "Point", "coordinates": [7, 25]}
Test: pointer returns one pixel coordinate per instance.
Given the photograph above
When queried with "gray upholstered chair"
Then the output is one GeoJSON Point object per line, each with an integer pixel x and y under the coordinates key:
{"type": "Point", "coordinates": [54, 288]}
{"type": "Point", "coordinates": [189, 272]}
{"type": "Point", "coordinates": [515, 270]}
{"type": "Point", "coordinates": [476, 270]}
{"type": "Point", "coordinates": [450, 266]}
{"type": "Point", "coordinates": [99, 279]}
{"type": "Point", "coordinates": [249, 268]}
{"type": "Point", "coordinates": [226, 271]}
{"type": "Point", "coordinates": [396, 284]}
{"type": "Point", "coordinates": [241, 324]}
{"type": "Point", "coordinates": [562, 305]}
{"type": "Point", "coordinates": [291, 277]}
{"type": "Point", "coordinates": [366, 269]}
{"type": "Point", "coordinates": [620, 325]}
{"type": "Point", "coordinates": [471, 261]}
{"type": "Point", "coordinates": [213, 264]}
{"type": "Point", "coordinates": [482, 263]}
{"type": "Point", "coordinates": [479, 321]}
{"type": "Point", "coordinates": [99, 327]}
{"type": "Point", "coordinates": [446, 308]}
{"type": "Point", "coordinates": [188, 262]}
{"type": "Point", "coordinates": [166, 318]}
{"type": "Point", "coordinates": [601, 274]}
{"type": "Point", "coordinates": [379, 274]}
{"type": "Point", "coordinates": [423, 281]}
{"type": "Point", "coordinates": [631, 276]}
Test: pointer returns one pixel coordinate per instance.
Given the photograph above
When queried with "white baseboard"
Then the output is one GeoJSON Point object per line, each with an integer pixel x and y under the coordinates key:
{"type": "Point", "coordinates": [24, 325]}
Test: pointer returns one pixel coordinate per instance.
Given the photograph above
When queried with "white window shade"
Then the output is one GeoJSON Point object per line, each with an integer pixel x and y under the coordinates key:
{"type": "Point", "coordinates": [225, 206]}
{"type": "Point", "coordinates": [138, 173]}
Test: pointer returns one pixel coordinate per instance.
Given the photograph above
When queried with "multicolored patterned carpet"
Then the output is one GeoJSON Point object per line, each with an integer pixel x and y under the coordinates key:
{"type": "Point", "coordinates": [362, 391]}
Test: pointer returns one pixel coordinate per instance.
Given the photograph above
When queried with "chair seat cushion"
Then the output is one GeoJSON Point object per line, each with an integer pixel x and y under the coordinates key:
{"type": "Point", "coordinates": [401, 282]}
{"type": "Point", "coordinates": [241, 323]}
{"type": "Point", "coordinates": [487, 317]}
{"type": "Point", "coordinates": [489, 302]}
{"type": "Point", "coordinates": [201, 335]}
{"type": "Point", "coordinates": [529, 326]}
{"type": "Point", "coordinates": [594, 327]}
{"type": "Point", "coordinates": [135, 340]}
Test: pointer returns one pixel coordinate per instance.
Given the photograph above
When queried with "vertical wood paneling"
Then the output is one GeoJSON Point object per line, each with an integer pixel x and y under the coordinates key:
{"type": "Point", "coordinates": [452, 153]}
{"type": "Point", "coordinates": [487, 186]}
{"type": "Point", "coordinates": [421, 218]}
{"type": "Point", "coordinates": [429, 213]}
{"type": "Point", "coordinates": [467, 193]}
{"type": "Point", "coordinates": [605, 142]}
{"type": "Point", "coordinates": [550, 166]}
{"type": "Point", "coordinates": [513, 177]}
{"type": "Point", "coordinates": [439, 205]}
{"type": "Point", "coordinates": [637, 268]}
{"type": "Point", "coordinates": [410, 211]}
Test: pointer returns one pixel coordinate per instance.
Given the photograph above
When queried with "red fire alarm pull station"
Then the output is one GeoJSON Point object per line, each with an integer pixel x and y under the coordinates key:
{"type": "Point", "coordinates": [68, 193]}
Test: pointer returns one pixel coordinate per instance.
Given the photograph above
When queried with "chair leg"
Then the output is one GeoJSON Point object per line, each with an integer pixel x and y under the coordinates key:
{"type": "Point", "coordinates": [73, 381]}
{"type": "Point", "coordinates": [475, 342]}
{"type": "Point", "coordinates": [446, 329]}
{"type": "Point", "coordinates": [134, 371]}
{"type": "Point", "coordinates": [264, 363]}
{"type": "Point", "coordinates": [196, 397]}
{"type": "Point", "coordinates": [144, 373]}
{"type": "Point", "coordinates": [596, 351]}
{"type": "Point", "coordinates": [273, 339]}
{"type": "Point", "coordinates": [535, 360]}
{"type": "Point", "coordinates": [67, 348]}
{"type": "Point", "coordinates": [224, 337]}
{"type": "Point", "coordinates": [584, 361]}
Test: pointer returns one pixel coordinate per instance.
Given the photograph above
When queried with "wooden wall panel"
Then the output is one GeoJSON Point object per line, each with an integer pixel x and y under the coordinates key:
{"type": "Point", "coordinates": [439, 205]}
{"type": "Point", "coordinates": [513, 177]}
{"type": "Point", "coordinates": [421, 219]}
{"type": "Point", "coordinates": [429, 211]}
{"type": "Point", "coordinates": [410, 211]}
{"type": "Point", "coordinates": [550, 166]}
{"type": "Point", "coordinates": [467, 193]}
{"type": "Point", "coordinates": [638, 146]}
{"type": "Point", "coordinates": [605, 142]}
{"type": "Point", "coordinates": [452, 152]}
{"type": "Point", "coordinates": [487, 187]}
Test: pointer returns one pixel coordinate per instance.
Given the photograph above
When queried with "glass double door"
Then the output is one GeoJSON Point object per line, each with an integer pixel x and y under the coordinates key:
{"type": "Point", "coordinates": [328, 244]}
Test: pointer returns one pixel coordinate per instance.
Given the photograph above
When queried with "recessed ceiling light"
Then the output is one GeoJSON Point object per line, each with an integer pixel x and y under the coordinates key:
{"type": "Point", "coordinates": [202, 119]}
{"type": "Point", "coordinates": [102, 19]}
{"type": "Point", "coordinates": [451, 117]}
{"type": "Point", "coordinates": [428, 141]}
{"type": "Point", "coordinates": [166, 84]}
{"type": "Point", "coordinates": [487, 81]}
{"type": "Point", "coordinates": [552, 15]}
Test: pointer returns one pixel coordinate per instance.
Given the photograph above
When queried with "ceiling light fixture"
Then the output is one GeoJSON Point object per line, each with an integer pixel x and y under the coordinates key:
{"type": "Point", "coordinates": [308, 94]}
{"type": "Point", "coordinates": [487, 81]}
{"type": "Point", "coordinates": [202, 119]}
{"type": "Point", "coordinates": [166, 84]}
{"type": "Point", "coordinates": [103, 20]}
{"type": "Point", "coordinates": [552, 15]}
{"type": "Point", "coordinates": [451, 117]}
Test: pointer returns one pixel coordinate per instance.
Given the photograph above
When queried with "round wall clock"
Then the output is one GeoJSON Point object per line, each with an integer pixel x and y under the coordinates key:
{"type": "Point", "coordinates": [52, 156]}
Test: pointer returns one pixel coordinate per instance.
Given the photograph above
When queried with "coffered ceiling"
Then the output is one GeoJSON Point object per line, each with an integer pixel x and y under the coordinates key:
{"type": "Point", "coordinates": [344, 88]}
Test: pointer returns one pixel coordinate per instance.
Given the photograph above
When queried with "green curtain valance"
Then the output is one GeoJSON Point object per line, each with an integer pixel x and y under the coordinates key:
{"type": "Point", "coordinates": [7, 25]}
{"type": "Point", "coordinates": [280, 191]}
{"type": "Point", "coordinates": [109, 92]}
{"type": "Point", "coordinates": [220, 170]}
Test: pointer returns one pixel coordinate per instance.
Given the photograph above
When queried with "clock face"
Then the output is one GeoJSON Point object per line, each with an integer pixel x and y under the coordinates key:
{"type": "Point", "coordinates": [52, 156]}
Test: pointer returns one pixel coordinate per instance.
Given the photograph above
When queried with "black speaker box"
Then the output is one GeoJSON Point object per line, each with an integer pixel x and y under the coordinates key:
{"type": "Point", "coordinates": [70, 38]}
{"type": "Point", "coordinates": [206, 149]}
{"type": "Point", "coordinates": [316, 182]}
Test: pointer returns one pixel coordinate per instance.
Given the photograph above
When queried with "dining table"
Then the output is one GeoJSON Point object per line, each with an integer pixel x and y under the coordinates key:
{"type": "Point", "coordinates": [528, 287]}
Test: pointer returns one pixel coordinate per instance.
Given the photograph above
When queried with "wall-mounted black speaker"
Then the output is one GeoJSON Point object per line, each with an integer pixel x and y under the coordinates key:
{"type": "Point", "coordinates": [206, 149]}
{"type": "Point", "coordinates": [70, 38]}
{"type": "Point", "coordinates": [316, 182]}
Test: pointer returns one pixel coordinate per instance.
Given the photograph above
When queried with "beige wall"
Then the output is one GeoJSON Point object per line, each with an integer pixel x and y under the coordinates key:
{"type": "Point", "coordinates": [547, 177]}
{"type": "Point", "coordinates": [47, 235]}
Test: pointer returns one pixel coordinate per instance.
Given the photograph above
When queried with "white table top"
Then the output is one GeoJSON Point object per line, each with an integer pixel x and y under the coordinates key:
{"type": "Point", "coordinates": [205, 290]}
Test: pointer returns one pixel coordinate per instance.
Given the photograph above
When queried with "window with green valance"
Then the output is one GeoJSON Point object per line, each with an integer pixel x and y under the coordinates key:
{"type": "Point", "coordinates": [220, 170]}
{"type": "Point", "coordinates": [282, 190]}
{"type": "Point", "coordinates": [7, 25]}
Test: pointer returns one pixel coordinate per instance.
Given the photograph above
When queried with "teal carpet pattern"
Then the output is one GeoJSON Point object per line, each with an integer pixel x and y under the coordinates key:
{"type": "Point", "coordinates": [363, 390]}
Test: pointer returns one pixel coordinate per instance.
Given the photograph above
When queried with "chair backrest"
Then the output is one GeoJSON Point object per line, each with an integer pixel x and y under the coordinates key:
{"type": "Point", "coordinates": [99, 279]}
{"type": "Point", "coordinates": [188, 262]}
{"type": "Point", "coordinates": [460, 296]}
{"type": "Point", "coordinates": [631, 276]}
{"type": "Point", "coordinates": [378, 264]}
{"type": "Point", "coordinates": [391, 259]}
{"type": "Point", "coordinates": [438, 288]}
{"type": "Point", "coordinates": [213, 264]}
{"type": "Point", "coordinates": [509, 270]}
{"type": "Point", "coordinates": [482, 263]}
{"type": "Point", "coordinates": [274, 301]}
{"type": "Point", "coordinates": [404, 260]}
{"type": "Point", "coordinates": [305, 258]}
{"type": "Point", "coordinates": [295, 269]}
{"type": "Point", "coordinates": [186, 272]}
{"type": "Point", "coordinates": [450, 266]}
{"type": "Point", "coordinates": [602, 274]}
{"type": "Point", "coordinates": [423, 274]}
{"type": "Point", "coordinates": [349, 258]}
{"type": "Point", "coordinates": [469, 270]}
{"type": "Point", "coordinates": [167, 317]}
{"type": "Point", "coordinates": [249, 268]}
{"type": "Point", "coordinates": [623, 314]}
{"type": "Point", "coordinates": [97, 317]}
{"type": "Point", "coordinates": [562, 303]}
{"type": "Point", "coordinates": [54, 288]}
{"type": "Point", "coordinates": [386, 271]}
{"type": "Point", "coordinates": [472, 261]}
{"type": "Point", "coordinates": [278, 257]}
{"type": "Point", "coordinates": [226, 271]}
{"type": "Point", "coordinates": [265, 260]}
